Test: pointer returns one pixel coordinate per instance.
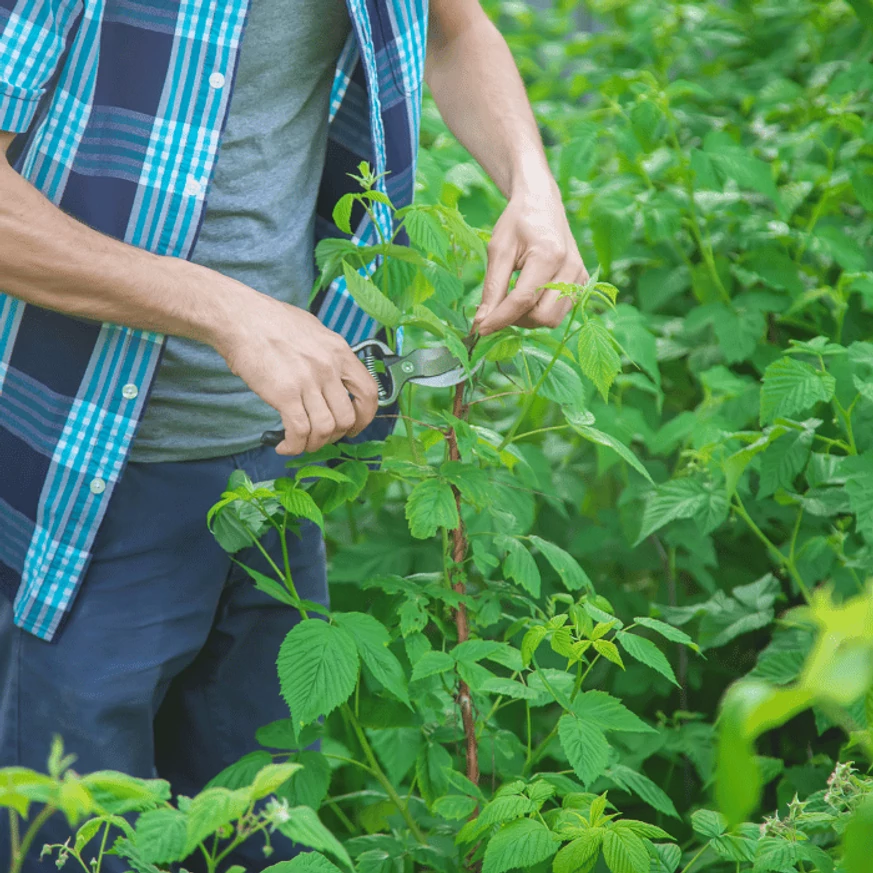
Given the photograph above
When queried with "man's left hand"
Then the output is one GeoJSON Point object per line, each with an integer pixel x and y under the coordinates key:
{"type": "Point", "coordinates": [532, 235]}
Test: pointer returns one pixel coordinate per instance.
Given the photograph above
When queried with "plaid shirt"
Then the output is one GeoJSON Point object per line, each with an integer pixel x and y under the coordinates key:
{"type": "Point", "coordinates": [120, 105]}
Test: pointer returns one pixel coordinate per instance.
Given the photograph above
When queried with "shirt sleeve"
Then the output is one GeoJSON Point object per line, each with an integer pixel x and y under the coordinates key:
{"type": "Point", "coordinates": [33, 34]}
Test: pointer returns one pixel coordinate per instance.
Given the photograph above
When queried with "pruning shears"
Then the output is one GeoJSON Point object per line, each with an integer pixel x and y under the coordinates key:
{"type": "Point", "coordinates": [433, 367]}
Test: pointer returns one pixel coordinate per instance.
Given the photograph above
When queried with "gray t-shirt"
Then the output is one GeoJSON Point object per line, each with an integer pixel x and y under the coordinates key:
{"type": "Point", "coordinates": [259, 225]}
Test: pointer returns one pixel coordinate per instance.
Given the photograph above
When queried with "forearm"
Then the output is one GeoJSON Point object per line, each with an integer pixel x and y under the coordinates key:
{"type": "Point", "coordinates": [481, 97]}
{"type": "Point", "coordinates": [53, 261]}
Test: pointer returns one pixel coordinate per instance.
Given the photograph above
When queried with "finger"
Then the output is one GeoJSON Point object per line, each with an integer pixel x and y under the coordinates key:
{"type": "Point", "coordinates": [340, 405]}
{"type": "Point", "coordinates": [535, 273]}
{"type": "Point", "coordinates": [321, 421]}
{"type": "Point", "coordinates": [364, 390]}
{"type": "Point", "coordinates": [501, 265]}
{"type": "Point", "coordinates": [297, 427]}
{"type": "Point", "coordinates": [550, 310]}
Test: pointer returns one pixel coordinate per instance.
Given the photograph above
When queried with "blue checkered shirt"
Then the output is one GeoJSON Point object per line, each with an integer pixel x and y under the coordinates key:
{"type": "Point", "coordinates": [119, 106]}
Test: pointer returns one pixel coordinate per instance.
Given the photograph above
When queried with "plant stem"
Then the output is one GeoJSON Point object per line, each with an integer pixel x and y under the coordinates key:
{"type": "Point", "coordinates": [532, 394]}
{"type": "Point", "coordinates": [380, 776]}
{"type": "Point", "coordinates": [24, 847]}
{"type": "Point", "coordinates": [15, 836]}
{"type": "Point", "coordinates": [781, 559]}
{"type": "Point", "coordinates": [687, 867]}
{"type": "Point", "coordinates": [459, 555]}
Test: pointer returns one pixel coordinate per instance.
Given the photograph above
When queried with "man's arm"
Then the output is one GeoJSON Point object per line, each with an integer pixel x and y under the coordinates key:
{"type": "Point", "coordinates": [284, 354]}
{"type": "Point", "coordinates": [481, 97]}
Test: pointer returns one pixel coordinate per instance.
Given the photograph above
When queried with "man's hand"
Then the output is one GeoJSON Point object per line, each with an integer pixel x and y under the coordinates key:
{"type": "Point", "coordinates": [532, 235]}
{"type": "Point", "coordinates": [304, 370]}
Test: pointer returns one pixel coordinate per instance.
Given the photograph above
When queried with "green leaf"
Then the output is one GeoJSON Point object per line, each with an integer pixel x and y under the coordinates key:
{"type": "Point", "coordinates": [318, 669]}
{"type": "Point", "coordinates": [646, 652]}
{"type": "Point", "coordinates": [89, 830]}
{"type": "Point", "coordinates": [667, 631]}
{"type": "Point", "coordinates": [598, 357]}
{"type": "Point", "coordinates": [792, 386]}
{"type": "Point", "coordinates": [520, 566]}
{"type": "Point", "coordinates": [708, 823]}
{"type": "Point", "coordinates": [520, 844]}
{"type": "Point", "coordinates": [342, 212]}
{"type": "Point", "coordinates": [625, 852]}
{"type": "Point", "coordinates": [430, 506]}
{"type": "Point", "coordinates": [454, 806]}
{"type": "Point", "coordinates": [564, 564]}
{"type": "Point", "coordinates": [307, 862]}
{"type": "Point", "coordinates": [608, 713]}
{"type": "Point", "coordinates": [585, 746]}
{"type": "Point", "coordinates": [580, 855]}
{"type": "Point", "coordinates": [734, 162]}
{"type": "Point", "coordinates": [784, 460]}
{"type": "Point", "coordinates": [161, 836]}
{"type": "Point", "coordinates": [640, 784]}
{"type": "Point", "coordinates": [682, 498]}
{"type": "Point", "coordinates": [858, 838]}
{"type": "Point", "coordinates": [371, 299]}
{"type": "Point", "coordinates": [242, 773]}
{"type": "Point", "coordinates": [582, 426]}
{"type": "Point", "coordinates": [372, 640]}
{"type": "Point", "coordinates": [211, 810]}
{"type": "Point", "coordinates": [426, 232]}
{"type": "Point", "coordinates": [299, 503]}
{"type": "Point", "coordinates": [304, 827]}
{"type": "Point", "coordinates": [531, 641]}
{"type": "Point", "coordinates": [432, 663]}
{"type": "Point", "coordinates": [271, 778]}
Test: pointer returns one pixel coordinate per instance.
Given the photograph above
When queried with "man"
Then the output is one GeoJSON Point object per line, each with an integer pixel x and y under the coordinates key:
{"type": "Point", "coordinates": [156, 252]}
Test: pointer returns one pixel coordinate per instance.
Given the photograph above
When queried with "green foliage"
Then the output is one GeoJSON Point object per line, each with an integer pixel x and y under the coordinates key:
{"type": "Point", "coordinates": [630, 547]}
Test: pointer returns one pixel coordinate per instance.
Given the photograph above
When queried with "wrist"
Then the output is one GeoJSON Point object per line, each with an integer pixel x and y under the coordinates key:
{"type": "Point", "coordinates": [531, 176]}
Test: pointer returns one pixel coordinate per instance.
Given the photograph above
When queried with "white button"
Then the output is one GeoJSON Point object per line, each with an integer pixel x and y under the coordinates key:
{"type": "Point", "coordinates": [129, 391]}
{"type": "Point", "coordinates": [98, 486]}
{"type": "Point", "coordinates": [193, 187]}
{"type": "Point", "coordinates": [216, 80]}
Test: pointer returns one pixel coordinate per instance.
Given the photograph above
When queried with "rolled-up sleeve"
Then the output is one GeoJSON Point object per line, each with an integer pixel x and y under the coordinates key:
{"type": "Point", "coordinates": [33, 35]}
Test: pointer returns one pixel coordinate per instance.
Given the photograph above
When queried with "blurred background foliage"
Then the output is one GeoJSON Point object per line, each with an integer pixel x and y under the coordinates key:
{"type": "Point", "coordinates": [716, 161]}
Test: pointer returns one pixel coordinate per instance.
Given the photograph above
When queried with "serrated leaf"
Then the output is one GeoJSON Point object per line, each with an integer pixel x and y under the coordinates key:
{"type": "Point", "coordinates": [625, 852]}
{"type": "Point", "coordinates": [609, 651]}
{"type": "Point", "coordinates": [430, 506]}
{"type": "Point", "coordinates": [564, 564]}
{"type": "Point", "coordinates": [454, 806]}
{"type": "Point", "coordinates": [342, 212]}
{"type": "Point", "coordinates": [520, 844]}
{"type": "Point", "coordinates": [640, 784]}
{"type": "Point", "coordinates": [792, 386]}
{"type": "Point", "coordinates": [667, 631]}
{"type": "Point", "coordinates": [678, 498]}
{"type": "Point", "coordinates": [646, 652]}
{"type": "Point", "coordinates": [580, 855]}
{"type": "Point", "coordinates": [784, 460]}
{"type": "Point", "coordinates": [307, 862]}
{"type": "Point", "coordinates": [583, 427]}
{"type": "Point", "coordinates": [300, 504]}
{"type": "Point", "coordinates": [708, 823]}
{"type": "Point", "coordinates": [530, 643]}
{"type": "Point", "coordinates": [371, 299]}
{"type": "Point", "coordinates": [608, 713]}
{"type": "Point", "coordinates": [318, 669]}
{"type": "Point", "coordinates": [209, 811]}
{"type": "Point", "coordinates": [520, 566]}
{"type": "Point", "coordinates": [585, 746]}
{"type": "Point", "coordinates": [598, 357]}
{"type": "Point", "coordinates": [426, 232]}
{"type": "Point", "coordinates": [271, 778]}
{"type": "Point", "coordinates": [372, 640]}
{"type": "Point", "coordinates": [304, 827]}
{"type": "Point", "coordinates": [432, 663]}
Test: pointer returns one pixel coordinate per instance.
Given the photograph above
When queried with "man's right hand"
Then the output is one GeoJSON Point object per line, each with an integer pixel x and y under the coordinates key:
{"type": "Point", "coordinates": [304, 370]}
{"type": "Point", "coordinates": [283, 353]}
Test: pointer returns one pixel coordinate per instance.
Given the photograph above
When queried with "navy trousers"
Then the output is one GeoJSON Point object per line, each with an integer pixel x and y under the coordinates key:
{"type": "Point", "coordinates": [166, 664]}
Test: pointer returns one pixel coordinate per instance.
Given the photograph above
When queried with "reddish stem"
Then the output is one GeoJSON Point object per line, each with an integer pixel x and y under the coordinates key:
{"type": "Point", "coordinates": [459, 555]}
